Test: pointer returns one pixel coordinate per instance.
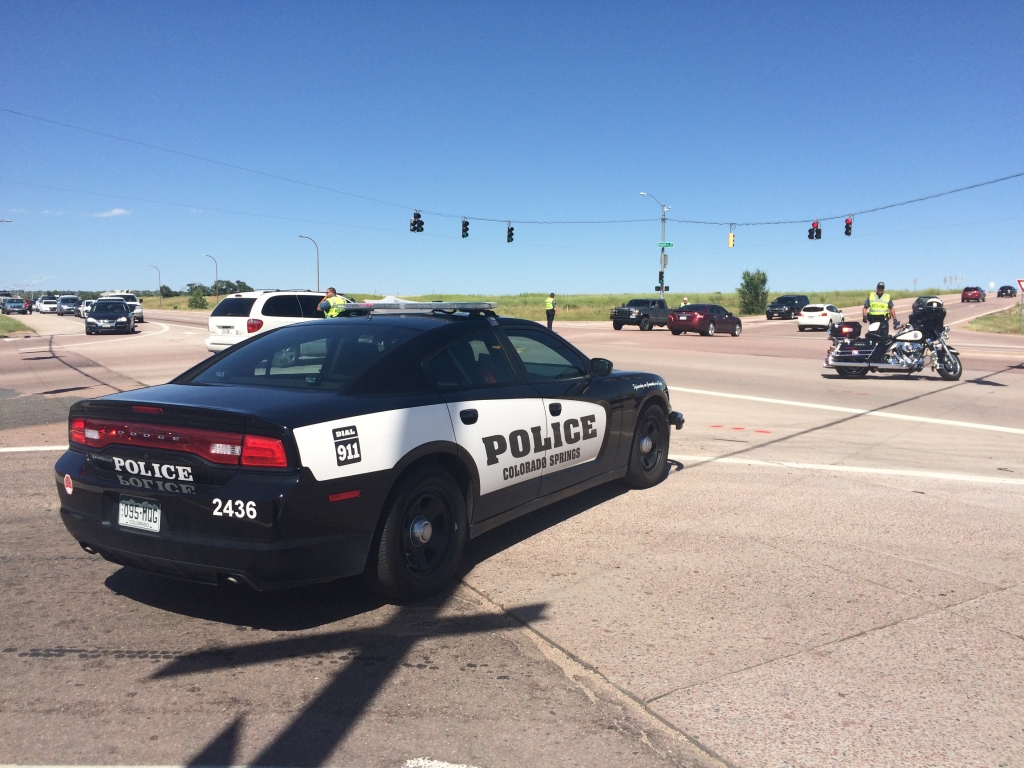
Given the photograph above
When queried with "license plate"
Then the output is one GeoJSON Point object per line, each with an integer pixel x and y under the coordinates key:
{"type": "Point", "coordinates": [684, 317]}
{"type": "Point", "coordinates": [138, 513]}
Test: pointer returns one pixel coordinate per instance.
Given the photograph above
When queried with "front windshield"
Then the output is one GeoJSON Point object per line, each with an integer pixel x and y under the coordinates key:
{"type": "Point", "coordinates": [325, 355]}
{"type": "Point", "coordinates": [110, 306]}
{"type": "Point", "coordinates": [638, 303]}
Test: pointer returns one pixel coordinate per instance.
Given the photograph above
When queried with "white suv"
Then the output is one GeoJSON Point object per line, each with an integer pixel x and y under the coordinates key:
{"type": "Point", "coordinates": [242, 315]}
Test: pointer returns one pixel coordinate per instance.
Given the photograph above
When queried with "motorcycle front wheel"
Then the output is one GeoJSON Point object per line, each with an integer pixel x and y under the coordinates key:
{"type": "Point", "coordinates": [851, 373]}
{"type": "Point", "coordinates": [951, 369]}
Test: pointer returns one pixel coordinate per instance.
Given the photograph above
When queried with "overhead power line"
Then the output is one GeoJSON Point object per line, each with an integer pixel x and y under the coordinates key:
{"type": "Point", "coordinates": [368, 198]}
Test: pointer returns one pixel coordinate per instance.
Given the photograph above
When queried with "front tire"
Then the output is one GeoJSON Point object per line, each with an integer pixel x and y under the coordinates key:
{"type": "Point", "coordinates": [648, 458]}
{"type": "Point", "coordinates": [952, 369]}
{"type": "Point", "coordinates": [422, 539]}
{"type": "Point", "coordinates": [645, 323]}
{"type": "Point", "coordinates": [738, 329]}
{"type": "Point", "coordinates": [616, 325]}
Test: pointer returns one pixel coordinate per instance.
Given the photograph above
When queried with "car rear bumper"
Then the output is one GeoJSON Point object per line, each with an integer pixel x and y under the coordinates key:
{"type": "Point", "coordinates": [814, 322]}
{"type": "Point", "coordinates": [218, 343]}
{"type": "Point", "coordinates": [684, 325]}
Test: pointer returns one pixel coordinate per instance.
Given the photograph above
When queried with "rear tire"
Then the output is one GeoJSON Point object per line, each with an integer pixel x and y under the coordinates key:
{"type": "Point", "coordinates": [710, 331]}
{"type": "Point", "coordinates": [676, 331]}
{"type": "Point", "coordinates": [852, 373]}
{"type": "Point", "coordinates": [406, 565]}
{"type": "Point", "coordinates": [648, 458]}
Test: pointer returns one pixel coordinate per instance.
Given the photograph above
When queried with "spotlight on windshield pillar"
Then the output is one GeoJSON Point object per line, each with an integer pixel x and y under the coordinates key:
{"type": "Point", "coordinates": [849, 227]}
{"type": "Point", "coordinates": [465, 227]}
{"type": "Point", "coordinates": [416, 222]}
{"type": "Point", "coordinates": [510, 234]}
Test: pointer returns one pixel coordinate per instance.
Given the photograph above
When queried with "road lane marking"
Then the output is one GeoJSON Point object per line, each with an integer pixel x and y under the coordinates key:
{"type": "Point", "coordinates": [29, 448]}
{"type": "Point", "coordinates": [855, 411]}
{"type": "Point", "coordinates": [139, 335]}
{"type": "Point", "coordinates": [844, 468]}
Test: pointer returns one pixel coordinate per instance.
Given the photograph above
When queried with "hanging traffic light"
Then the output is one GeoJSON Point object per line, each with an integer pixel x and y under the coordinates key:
{"type": "Point", "coordinates": [465, 227]}
{"type": "Point", "coordinates": [814, 233]}
{"type": "Point", "coordinates": [732, 239]}
{"type": "Point", "coordinates": [661, 278]}
{"type": "Point", "coordinates": [416, 222]}
{"type": "Point", "coordinates": [509, 235]}
{"type": "Point", "coordinates": [849, 226]}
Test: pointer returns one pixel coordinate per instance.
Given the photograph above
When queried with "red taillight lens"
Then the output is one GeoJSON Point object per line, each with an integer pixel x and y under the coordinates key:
{"type": "Point", "coordinates": [697, 315]}
{"type": "Point", "coordinates": [824, 314]}
{"type": "Point", "coordinates": [146, 409]}
{"type": "Point", "coordinates": [263, 452]}
{"type": "Point", "coordinates": [76, 432]}
{"type": "Point", "coordinates": [217, 447]}
{"type": "Point", "coordinates": [253, 324]}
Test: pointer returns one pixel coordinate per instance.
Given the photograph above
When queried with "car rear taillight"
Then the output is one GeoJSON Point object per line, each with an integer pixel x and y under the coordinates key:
{"type": "Point", "coordinates": [214, 446]}
{"type": "Point", "coordinates": [253, 324]}
{"type": "Point", "coordinates": [824, 314]}
{"type": "Point", "coordinates": [697, 315]}
{"type": "Point", "coordinates": [263, 452]}
{"type": "Point", "coordinates": [147, 409]}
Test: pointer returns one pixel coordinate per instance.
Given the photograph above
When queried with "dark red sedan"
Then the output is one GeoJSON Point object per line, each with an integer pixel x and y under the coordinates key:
{"type": "Point", "coordinates": [972, 293]}
{"type": "Point", "coordinates": [705, 319]}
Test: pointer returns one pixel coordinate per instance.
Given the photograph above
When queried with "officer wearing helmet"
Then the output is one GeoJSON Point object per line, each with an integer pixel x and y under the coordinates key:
{"type": "Point", "coordinates": [878, 308]}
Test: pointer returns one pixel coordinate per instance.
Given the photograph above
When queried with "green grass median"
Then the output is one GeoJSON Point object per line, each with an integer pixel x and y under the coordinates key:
{"type": "Point", "coordinates": [8, 326]}
{"type": "Point", "coordinates": [1006, 321]}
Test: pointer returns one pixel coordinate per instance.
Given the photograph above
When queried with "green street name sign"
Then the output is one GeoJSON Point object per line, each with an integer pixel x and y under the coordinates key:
{"type": "Point", "coordinates": [664, 245]}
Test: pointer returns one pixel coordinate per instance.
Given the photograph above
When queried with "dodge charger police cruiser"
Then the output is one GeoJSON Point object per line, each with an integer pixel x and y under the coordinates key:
{"type": "Point", "coordinates": [374, 444]}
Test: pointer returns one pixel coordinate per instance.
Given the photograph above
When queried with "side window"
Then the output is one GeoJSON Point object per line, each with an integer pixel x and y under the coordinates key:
{"type": "Point", "coordinates": [472, 361]}
{"type": "Point", "coordinates": [545, 358]}
{"type": "Point", "coordinates": [308, 304]}
{"type": "Point", "coordinates": [282, 306]}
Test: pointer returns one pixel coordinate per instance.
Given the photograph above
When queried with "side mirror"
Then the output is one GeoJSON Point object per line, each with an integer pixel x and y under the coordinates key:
{"type": "Point", "coordinates": [600, 367]}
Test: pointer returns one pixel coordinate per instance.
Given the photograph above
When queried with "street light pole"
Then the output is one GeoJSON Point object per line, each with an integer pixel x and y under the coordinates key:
{"type": "Point", "coordinates": [159, 286]}
{"type": "Point", "coordinates": [663, 262]}
{"type": "Point", "coordinates": [317, 261]}
{"type": "Point", "coordinates": [216, 278]}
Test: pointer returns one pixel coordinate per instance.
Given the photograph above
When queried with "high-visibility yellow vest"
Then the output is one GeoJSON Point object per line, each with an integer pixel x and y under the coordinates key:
{"type": "Point", "coordinates": [549, 303]}
{"type": "Point", "coordinates": [337, 305]}
{"type": "Point", "coordinates": [879, 305]}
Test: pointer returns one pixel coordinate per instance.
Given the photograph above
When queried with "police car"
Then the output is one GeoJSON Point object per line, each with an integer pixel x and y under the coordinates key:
{"type": "Point", "coordinates": [372, 444]}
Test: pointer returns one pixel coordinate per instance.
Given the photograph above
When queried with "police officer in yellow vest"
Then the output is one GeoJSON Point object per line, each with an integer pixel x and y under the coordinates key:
{"type": "Point", "coordinates": [879, 308]}
{"type": "Point", "coordinates": [332, 305]}
{"type": "Point", "coordinates": [549, 309]}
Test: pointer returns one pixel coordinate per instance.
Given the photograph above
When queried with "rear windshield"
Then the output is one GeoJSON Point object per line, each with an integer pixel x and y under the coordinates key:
{"type": "Point", "coordinates": [813, 308]}
{"type": "Point", "coordinates": [308, 356]}
{"type": "Point", "coordinates": [233, 308]}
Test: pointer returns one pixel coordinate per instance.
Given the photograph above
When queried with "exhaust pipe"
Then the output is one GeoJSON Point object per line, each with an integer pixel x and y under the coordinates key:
{"type": "Point", "coordinates": [87, 548]}
{"type": "Point", "coordinates": [876, 366]}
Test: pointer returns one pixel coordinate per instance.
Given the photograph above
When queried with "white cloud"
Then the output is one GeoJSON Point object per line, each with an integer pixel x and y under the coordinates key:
{"type": "Point", "coordinates": [19, 210]}
{"type": "Point", "coordinates": [111, 212]}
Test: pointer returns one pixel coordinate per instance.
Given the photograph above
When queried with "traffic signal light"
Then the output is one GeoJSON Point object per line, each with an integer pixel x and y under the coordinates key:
{"type": "Point", "coordinates": [465, 227]}
{"type": "Point", "coordinates": [732, 239]}
{"type": "Point", "coordinates": [814, 233]}
{"type": "Point", "coordinates": [510, 234]}
{"type": "Point", "coordinates": [849, 227]}
{"type": "Point", "coordinates": [661, 278]}
{"type": "Point", "coordinates": [416, 222]}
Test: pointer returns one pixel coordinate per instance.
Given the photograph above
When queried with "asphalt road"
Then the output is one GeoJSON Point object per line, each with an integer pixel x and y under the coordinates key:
{"type": "Point", "coordinates": [831, 575]}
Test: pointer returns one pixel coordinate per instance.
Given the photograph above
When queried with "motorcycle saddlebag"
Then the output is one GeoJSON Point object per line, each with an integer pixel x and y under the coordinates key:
{"type": "Point", "coordinates": [854, 351]}
{"type": "Point", "coordinates": [848, 330]}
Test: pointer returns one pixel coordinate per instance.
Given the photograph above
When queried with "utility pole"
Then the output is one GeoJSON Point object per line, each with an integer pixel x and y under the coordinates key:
{"type": "Point", "coordinates": [159, 286]}
{"type": "Point", "coordinates": [216, 278]}
{"type": "Point", "coordinates": [317, 261]}
{"type": "Point", "coordinates": [663, 262]}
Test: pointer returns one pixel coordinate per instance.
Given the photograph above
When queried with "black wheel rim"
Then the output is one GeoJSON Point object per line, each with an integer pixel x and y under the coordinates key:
{"type": "Point", "coordinates": [422, 560]}
{"type": "Point", "coordinates": [651, 430]}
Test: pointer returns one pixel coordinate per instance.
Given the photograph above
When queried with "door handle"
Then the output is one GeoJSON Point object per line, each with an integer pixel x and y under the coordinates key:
{"type": "Point", "coordinates": [469, 416]}
{"type": "Point", "coordinates": [555, 409]}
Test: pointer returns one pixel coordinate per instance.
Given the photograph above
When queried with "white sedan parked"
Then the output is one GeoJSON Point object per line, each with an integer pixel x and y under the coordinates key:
{"type": "Point", "coordinates": [818, 316]}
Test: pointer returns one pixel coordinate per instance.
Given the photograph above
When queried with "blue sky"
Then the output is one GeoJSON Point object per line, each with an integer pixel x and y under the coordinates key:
{"type": "Point", "coordinates": [530, 111]}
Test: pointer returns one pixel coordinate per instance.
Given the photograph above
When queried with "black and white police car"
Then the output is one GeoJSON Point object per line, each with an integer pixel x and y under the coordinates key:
{"type": "Point", "coordinates": [373, 444]}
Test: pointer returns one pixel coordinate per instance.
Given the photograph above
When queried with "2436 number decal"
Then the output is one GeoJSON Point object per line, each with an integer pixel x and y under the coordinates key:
{"type": "Point", "coordinates": [236, 508]}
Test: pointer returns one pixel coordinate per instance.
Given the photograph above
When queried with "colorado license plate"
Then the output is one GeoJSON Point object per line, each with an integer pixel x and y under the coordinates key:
{"type": "Point", "coordinates": [138, 513]}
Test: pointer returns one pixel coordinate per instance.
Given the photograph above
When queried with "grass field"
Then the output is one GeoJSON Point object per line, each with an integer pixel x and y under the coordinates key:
{"type": "Point", "coordinates": [1007, 321]}
{"type": "Point", "coordinates": [591, 306]}
{"type": "Point", "coordinates": [9, 325]}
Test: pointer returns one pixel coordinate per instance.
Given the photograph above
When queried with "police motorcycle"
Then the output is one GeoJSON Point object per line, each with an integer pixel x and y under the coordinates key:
{"type": "Point", "coordinates": [922, 340]}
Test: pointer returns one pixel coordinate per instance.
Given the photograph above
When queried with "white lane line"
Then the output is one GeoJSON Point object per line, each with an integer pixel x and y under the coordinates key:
{"type": "Point", "coordinates": [980, 314]}
{"type": "Point", "coordinates": [30, 448]}
{"type": "Point", "coordinates": [140, 335]}
{"type": "Point", "coordinates": [857, 411]}
{"type": "Point", "coordinates": [426, 762]}
{"type": "Point", "coordinates": [855, 470]}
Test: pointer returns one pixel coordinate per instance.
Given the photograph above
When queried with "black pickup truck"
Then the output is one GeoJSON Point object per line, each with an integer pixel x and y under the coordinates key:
{"type": "Point", "coordinates": [645, 313]}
